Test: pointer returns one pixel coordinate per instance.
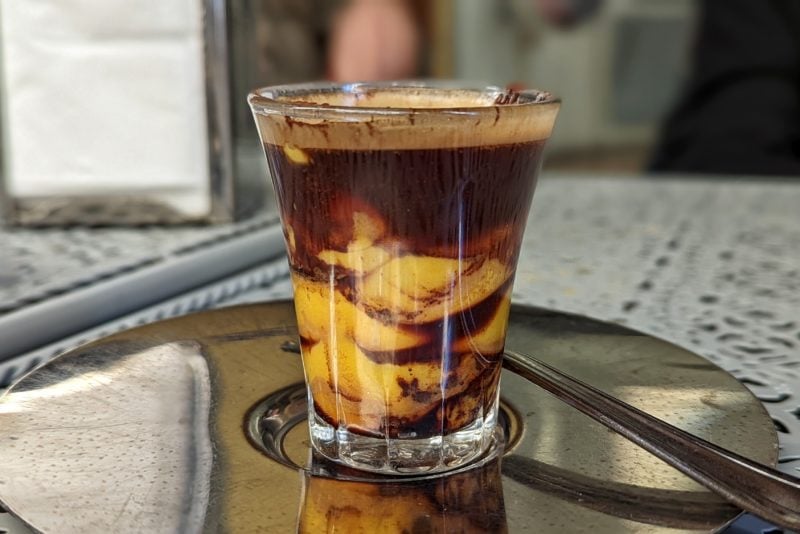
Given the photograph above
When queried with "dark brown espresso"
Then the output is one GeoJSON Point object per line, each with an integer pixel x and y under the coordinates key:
{"type": "Point", "coordinates": [433, 201]}
{"type": "Point", "coordinates": [402, 264]}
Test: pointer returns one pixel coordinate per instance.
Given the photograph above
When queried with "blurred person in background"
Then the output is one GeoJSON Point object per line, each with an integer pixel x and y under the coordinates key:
{"type": "Point", "coordinates": [383, 39]}
{"type": "Point", "coordinates": [375, 40]}
{"type": "Point", "coordinates": [740, 111]}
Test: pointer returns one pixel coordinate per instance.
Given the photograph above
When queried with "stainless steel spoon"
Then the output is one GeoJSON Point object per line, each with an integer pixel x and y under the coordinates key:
{"type": "Point", "coordinates": [753, 487]}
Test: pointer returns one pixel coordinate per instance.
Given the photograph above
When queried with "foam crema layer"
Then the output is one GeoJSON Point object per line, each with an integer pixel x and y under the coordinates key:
{"type": "Point", "coordinates": [366, 117]}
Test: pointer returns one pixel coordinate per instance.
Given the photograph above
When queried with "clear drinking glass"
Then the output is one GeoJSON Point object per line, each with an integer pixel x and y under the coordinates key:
{"type": "Point", "coordinates": [403, 206]}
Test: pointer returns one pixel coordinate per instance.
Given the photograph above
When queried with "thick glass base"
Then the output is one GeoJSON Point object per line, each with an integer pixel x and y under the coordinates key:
{"type": "Point", "coordinates": [403, 456]}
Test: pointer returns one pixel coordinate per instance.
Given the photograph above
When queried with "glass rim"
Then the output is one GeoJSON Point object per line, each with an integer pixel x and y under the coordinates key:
{"type": "Point", "coordinates": [286, 99]}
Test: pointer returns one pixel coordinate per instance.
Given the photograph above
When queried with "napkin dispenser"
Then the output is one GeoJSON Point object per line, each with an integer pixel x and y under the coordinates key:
{"type": "Point", "coordinates": [129, 111]}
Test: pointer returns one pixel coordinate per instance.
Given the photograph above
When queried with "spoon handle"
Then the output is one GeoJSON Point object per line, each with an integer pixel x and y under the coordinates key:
{"type": "Point", "coordinates": [753, 487]}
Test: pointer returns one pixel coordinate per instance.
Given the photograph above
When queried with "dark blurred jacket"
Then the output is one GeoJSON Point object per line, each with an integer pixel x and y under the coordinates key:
{"type": "Point", "coordinates": [740, 113]}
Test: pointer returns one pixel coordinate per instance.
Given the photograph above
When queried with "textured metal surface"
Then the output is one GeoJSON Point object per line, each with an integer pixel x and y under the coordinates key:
{"type": "Point", "coordinates": [171, 273]}
{"type": "Point", "coordinates": [38, 264]}
{"type": "Point", "coordinates": [713, 266]}
{"type": "Point", "coordinates": [266, 282]}
{"type": "Point", "coordinates": [145, 432]}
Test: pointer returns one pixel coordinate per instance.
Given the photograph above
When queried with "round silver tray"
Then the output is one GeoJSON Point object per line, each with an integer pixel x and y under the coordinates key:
{"type": "Point", "coordinates": [196, 424]}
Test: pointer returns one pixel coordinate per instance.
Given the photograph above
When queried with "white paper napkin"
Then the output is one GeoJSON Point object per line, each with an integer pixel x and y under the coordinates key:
{"type": "Point", "coordinates": [105, 97]}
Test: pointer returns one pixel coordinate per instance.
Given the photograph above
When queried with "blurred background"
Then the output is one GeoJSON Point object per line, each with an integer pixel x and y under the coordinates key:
{"type": "Point", "coordinates": [153, 93]}
{"type": "Point", "coordinates": [656, 85]}
{"type": "Point", "coordinates": [618, 65]}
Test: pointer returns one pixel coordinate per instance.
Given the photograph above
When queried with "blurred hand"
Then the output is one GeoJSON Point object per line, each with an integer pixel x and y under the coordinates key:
{"type": "Point", "coordinates": [374, 40]}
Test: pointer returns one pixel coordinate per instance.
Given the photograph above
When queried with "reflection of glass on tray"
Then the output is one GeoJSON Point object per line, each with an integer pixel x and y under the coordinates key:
{"type": "Point", "coordinates": [469, 502]}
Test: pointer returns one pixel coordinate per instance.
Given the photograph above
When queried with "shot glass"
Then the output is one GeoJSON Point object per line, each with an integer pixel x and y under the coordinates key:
{"type": "Point", "coordinates": [403, 206]}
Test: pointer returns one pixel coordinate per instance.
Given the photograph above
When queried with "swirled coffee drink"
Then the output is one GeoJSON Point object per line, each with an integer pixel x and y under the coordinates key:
{"type": "Point", "coordinates": [403, 232]}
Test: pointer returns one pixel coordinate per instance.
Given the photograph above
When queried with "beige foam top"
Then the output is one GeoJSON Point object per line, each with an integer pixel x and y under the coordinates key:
{"type": "Point", "coordinates": [402, 117]}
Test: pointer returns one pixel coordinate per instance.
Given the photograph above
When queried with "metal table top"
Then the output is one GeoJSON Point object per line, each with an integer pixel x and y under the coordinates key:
{"type": "Point", "coordinates": [710, 265]}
